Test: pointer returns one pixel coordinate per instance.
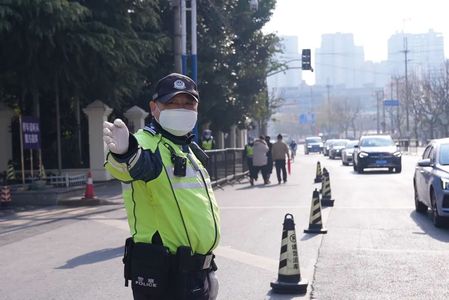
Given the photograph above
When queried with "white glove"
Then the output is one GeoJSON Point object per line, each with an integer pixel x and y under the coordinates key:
{"type": "Point", "coordinates": [116, 136]}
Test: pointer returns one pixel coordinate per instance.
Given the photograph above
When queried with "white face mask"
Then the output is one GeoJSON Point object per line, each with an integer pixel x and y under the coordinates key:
{"type": "Point", "coordinates": [178, 121]}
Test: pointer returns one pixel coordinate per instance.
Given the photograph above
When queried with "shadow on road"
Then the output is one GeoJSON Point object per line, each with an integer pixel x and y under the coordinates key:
{"type": "Point", "coordinates": [273, 296]}
{"type": "Point", "coordinates": [93, 257]}
{"type": "Point", "coordinates": [424, 221]}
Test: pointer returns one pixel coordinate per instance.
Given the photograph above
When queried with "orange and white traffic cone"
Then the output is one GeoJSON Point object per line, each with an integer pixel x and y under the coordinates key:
{"type": "Point", "coordinates": [289, 277]}
{"type": "Point", "coordinates": [89, 194]}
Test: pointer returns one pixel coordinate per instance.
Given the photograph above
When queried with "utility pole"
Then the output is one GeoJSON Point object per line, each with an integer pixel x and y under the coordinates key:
{"type": "Point", "coordinates": [377, 111]}
{"type": "Point", "coordinates": [397, 111]}
{"type": "Point", "coordinates": [406, 86]}
{"type": "Point", "coordinates": [177, 35]}
{"type": "Point", "coordinates": [383, 111]}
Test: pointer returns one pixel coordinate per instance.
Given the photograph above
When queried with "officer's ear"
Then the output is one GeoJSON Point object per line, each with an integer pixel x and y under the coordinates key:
{"type": "Point", "coordinates": [154, 109]}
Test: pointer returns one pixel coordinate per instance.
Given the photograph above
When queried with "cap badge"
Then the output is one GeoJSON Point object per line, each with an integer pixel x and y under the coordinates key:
{"type": "Point", "coordinates": [179, 85]}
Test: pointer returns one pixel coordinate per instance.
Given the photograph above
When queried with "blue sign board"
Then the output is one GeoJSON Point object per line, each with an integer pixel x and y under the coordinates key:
{"type": "Point", "coordinates": [31, 133]}
{"type": "Point", "coordinates": [307, 118]}
{"type": "Point", "coordinates": [391, 102]}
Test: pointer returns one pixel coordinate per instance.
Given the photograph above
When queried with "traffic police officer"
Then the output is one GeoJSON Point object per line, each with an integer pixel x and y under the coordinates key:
{"type": "Point", "coordinates": [172, 212]}
{"type": "Point", "coordinates": [207, 142]}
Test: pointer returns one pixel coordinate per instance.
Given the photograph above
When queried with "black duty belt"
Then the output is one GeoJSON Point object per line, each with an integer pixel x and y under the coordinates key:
{"type": "Point", "coordinates": [192, 263]}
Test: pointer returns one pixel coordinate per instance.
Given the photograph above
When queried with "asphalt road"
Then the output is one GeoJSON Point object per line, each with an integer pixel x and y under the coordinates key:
{"type": "Point", "coordinates": [376, 247]}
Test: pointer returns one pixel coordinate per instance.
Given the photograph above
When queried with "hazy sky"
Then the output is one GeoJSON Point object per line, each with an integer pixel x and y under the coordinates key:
{"type": "Point", "coordinates": [371, 22]}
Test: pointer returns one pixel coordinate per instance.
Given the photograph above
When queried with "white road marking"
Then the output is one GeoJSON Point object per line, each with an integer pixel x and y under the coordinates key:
{"type": "Point", "coordinates": [225, 251]}
{"type": "Point", "coordinates": [253, 260]}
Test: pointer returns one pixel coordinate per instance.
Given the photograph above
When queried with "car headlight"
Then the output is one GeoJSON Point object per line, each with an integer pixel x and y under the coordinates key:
{"type": "Point", "coordinates": [397, 154]}
{"type": "Point", "coordinates": [363, 154]}
{"type": "Point", "coordinates": [445, 183]}
{"type": "Point", "coordinates": [309, 146]}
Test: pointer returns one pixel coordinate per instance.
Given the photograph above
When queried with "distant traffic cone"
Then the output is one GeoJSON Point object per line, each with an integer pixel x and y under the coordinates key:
{"type": "Point", "coordinates": [289, 277]}
{"type": "Point", "coordinates": [5, 197]}
{"type": "Point", "coordinates": [89, 194]}
{"type": "Point", "coordinates": [315, 223]}
{"type": "Point", "coordinates": [318, 176]}
{"type": "Point", "coordinates": [10, 173]}
{"type": "Point", "coordinates": [326, 198]}
{"type": "Point", "coordinates": [42, 173]}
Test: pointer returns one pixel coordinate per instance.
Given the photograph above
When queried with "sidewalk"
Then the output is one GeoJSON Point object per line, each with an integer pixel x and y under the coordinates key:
{"type": "Point", "coordinates": [107, 192]}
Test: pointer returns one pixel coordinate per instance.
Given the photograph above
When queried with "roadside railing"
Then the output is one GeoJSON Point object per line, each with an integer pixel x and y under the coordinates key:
{"type": "Point", "coordinates": [226, 164]}
{"type": "Point", "coordinates": [67, 180]}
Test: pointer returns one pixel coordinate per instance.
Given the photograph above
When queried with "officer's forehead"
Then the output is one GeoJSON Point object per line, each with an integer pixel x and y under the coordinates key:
{"type": "Point", "coordinates": [182, 98]}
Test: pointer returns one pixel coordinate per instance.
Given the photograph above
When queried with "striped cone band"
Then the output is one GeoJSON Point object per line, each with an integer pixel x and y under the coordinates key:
{"type": "Point", "coordinates": [327, 187]}
{"type": "Point", "coordinates": [11, 174]}
{"type": "Point", "coordinates": [315, 211]}
{"type": "Point", "coordinates": [318, 169]}
{"type": "Point", "coordinates": [288, 261]}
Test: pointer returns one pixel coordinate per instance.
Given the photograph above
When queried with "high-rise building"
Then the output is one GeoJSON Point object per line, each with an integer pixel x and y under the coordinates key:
{"type": "Point", "coordinates": [425, 53]}
{"type": "Point", "coordinates": [291, 57]}
{"type": "Point", "coordinates": [339, 62]}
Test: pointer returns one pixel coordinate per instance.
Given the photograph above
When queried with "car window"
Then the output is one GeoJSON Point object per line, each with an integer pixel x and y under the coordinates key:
{"type": "Point", "coordinates": [340, 143]}
{"type": "Point", "coordinates": [312, 140]}
{"type": "Point", "coordinates": [432, 154]}
{"type": "Point", "coordinates": [351, 144]}
{"type": "Point", "coordinates": [376, 142]}
{"type": "Point", "coordinates": [426, 152]}
{"type": "Point", "coordinates": [444, 154]}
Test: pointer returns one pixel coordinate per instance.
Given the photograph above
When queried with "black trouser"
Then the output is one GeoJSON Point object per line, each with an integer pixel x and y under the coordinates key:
{"type": "Point", "coordinates": [269, 168]}
{"type": "Point", "coordinates": [199, 279]}
{"type": "Point", "coordinates": [263, 170]}
{"type": "Point", "coordinates": [280, 165]}
{"type": "Point", "coordinates": [249, 161]}
{"type": "Point", "coordinates": [155, 274]}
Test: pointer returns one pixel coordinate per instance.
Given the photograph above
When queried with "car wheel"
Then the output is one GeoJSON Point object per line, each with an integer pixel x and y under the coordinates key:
{"type": "Point", "coordinates": [344, 163]}
{"type": "Point", "coordinates": [438, 221]}
{"type": "Point", "coordinates": [398, 169]}
{"type": "Point", "coordinates": [419, 206]}
{"type": "Point", "coordinates": [359, 169]}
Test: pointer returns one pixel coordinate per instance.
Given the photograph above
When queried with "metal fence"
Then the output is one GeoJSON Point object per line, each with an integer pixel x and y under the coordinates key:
{"type": "Point", "coordinates": [226, 164]}
{"type": "Point", "coordinates": [67, 180]}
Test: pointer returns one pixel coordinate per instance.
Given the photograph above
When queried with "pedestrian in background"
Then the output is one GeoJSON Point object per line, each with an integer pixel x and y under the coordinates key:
{"type": "Point", "coordinates": [172, 212]}
{"type": "Point", "coordinates": [280, 151]}
{"type": "Point", "coordinates": [269, 167]}
{"type": "Point", "coordinates": [260, 159]}
{"type": "Point", "coordinates": [293, 148]}
{"type": "Point", "coordinates": [248, 155]}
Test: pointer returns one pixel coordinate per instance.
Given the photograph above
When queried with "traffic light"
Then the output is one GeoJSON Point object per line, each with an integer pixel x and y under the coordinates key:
{"type": "Point", "coordinates": [305, 60]}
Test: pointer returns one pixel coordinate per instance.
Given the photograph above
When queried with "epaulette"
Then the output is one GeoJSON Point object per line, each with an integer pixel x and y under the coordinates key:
{"type": "Point", "coordinates": [150, 130]}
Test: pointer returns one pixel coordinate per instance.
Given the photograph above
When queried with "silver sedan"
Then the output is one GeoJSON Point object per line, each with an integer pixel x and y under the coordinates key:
{"type": "Point", "coordinates": [346, 153]}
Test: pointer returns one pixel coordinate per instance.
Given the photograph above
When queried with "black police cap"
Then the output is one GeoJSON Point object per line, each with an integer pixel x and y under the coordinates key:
{"type": "Point", "coordinates": [175, 84]}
